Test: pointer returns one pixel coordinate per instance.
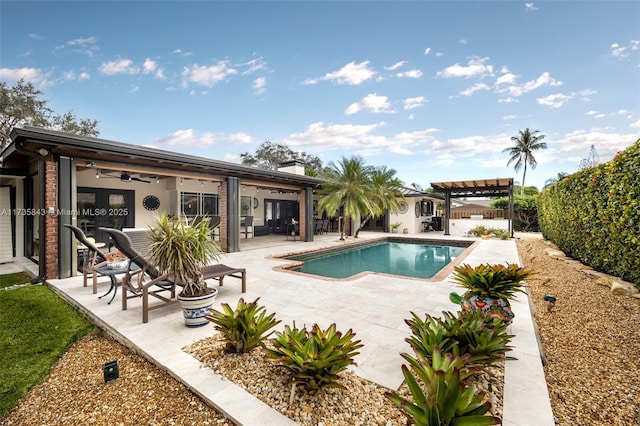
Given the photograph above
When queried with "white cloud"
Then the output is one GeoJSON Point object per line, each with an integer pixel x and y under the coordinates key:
{"type": "Point", "coordinates": [86, 46]}
{"type": "Point", "coordinates": [439, 54]}
{"type": "Point", "coordinates": [554, 101]}
{"type": "Point", "coordinates": [395, 66]}
{"type": "Point", "coordinates": [333, 136]}
{"type": "Point", "coordinates": [543, 80]}
{"type": "Point", "coordinates": [182, 52]}
{"type": "Point", "coordinates": [412, 116]}
{"type": "Point", "coordinates": [529, 7]}
{"type": "Point", "coordinates": [427, 51]}
{"type": "Point", "coordinates": [467, 147]}
{"type": "Point", "coordinates": [207, 76]}
{"type": "Point", "coordinates": [35, 36]}
{"type": "Point", "coordinates": [239, 138]}
{"type": "Point", "coordinates": [120, 66]}
{"type": "Point", "coordinates": [33, 75]}
{"type": "Point", "coordinates": [509, 117]}
{"type": "Point", "coordinates": [411, 103]}
{"type": "Point", "coordinates": [259, 85]}
{"type": "Point", "coordinates": [463, 42]}
{"type": "Point", "coordinates": [186, 138]}
{"type": "Point", "coordinates": [475, 68]}
{"type": "Point", "coordinates": [372, 102]}
{"type": "Point", "coordinates": [622, 52]}
{"type": "Point", "coordinates": [351, 74]}
{"type": "Point", "coordinates": [471, 90]}
{"type": "Point", "coordinates": [410, 74]}
{"type": "Point", "coordinates": [151, 67]}
{"type": "Point", "coordinates": [84, 76]}
{"type": "Point", "coordinates": [635, 125]}
{"type": "Point", "coordinates": [591, 113]}
{"type": "Point", "coordinates": [254, 65]}
{"type": "Point", "coordinates": [580, 141]}
{"type": "Point", "coordinates": [508, 78]}
{"type": "Point", "coordinates": [508, 100]}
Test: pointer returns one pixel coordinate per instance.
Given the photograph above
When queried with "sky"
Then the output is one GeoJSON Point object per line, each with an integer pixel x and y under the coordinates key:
{"type": "Point", "coordinates": [432, 89]}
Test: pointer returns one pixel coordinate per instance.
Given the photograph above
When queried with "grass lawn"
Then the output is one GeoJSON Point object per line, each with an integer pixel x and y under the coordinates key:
{"type": "Point", "coordinates": [7, 280]}
{"type": "Point", "coordinates": [38, 327]}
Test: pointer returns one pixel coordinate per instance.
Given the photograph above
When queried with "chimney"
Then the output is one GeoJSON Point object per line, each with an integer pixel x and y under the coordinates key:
{"type": "Point", "coordinates": [294, 166]}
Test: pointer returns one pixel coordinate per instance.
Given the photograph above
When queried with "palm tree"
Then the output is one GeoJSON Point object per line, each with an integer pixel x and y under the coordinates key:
{"type": "Point", "coordinates": [557, 178]}
{"type": "Point", "coordinates": [355, 189]}
{"type": "Point", "coordinates": [522, 152]}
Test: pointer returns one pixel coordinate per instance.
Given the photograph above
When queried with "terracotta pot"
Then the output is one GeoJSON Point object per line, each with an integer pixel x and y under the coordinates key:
{"type": "Point", "coordinates": [496, 307]}
{"type": "Point", "coordinates": [196, 309]}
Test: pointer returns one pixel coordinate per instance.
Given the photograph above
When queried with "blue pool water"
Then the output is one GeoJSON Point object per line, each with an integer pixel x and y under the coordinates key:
{"type": "Point", "coordinates": [417, 260]}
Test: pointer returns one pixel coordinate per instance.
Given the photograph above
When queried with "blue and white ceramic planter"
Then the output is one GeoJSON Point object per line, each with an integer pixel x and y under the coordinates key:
{"type": "Point", "coordinates": [196, 309]}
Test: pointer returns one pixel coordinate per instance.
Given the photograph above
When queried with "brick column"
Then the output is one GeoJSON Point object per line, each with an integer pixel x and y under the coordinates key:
{"type": "Point", "coordinates": [51, 220]}
{"type": "Point", "coordinates": [303, 215]}
{"type": "Point", "coordinates": [222, 211]}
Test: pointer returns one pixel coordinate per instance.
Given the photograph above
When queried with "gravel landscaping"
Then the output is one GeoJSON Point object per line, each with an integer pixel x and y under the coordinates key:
{"type": "Point", "coordinates": [591, 340]}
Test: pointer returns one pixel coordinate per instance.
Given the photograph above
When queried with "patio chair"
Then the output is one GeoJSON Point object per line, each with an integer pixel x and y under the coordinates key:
{"type": "Point", "coordinates": [134, 281]}
{"type": "Point", "coordinates": [214, 224]}
{"type": "Point", "coordinates": [93, 257]}
{"type": "Point", "coordinates": [248, 223]}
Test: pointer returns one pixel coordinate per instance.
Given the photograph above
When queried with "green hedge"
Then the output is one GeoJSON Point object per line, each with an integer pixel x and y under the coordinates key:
{"type": "Point", "coordinates": [594, 215]}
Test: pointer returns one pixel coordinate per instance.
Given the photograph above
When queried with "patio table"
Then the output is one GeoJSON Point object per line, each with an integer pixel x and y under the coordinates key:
{"type": "Point", "coordinates": [111, 272]}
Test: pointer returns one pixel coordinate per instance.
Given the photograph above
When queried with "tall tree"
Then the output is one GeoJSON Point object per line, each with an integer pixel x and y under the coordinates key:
{"type": "Point", "coordinates": [270, 155]}
{"type": "Point", "coordinates": [591, 161]}
{"type": "Point", "coordinates": [354, 189]}
{"type": "Point", "coordinates": [522, 152]}
{"type": "Point", "coordinates": [22, 105]}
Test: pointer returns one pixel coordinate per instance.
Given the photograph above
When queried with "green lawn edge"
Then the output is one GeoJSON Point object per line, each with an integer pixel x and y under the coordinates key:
{"type": "Point", "coordinates": [38, 327]}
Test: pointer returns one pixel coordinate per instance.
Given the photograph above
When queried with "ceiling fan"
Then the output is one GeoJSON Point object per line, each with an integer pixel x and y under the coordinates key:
{"type": "Point", "coordinates": [124, 177]}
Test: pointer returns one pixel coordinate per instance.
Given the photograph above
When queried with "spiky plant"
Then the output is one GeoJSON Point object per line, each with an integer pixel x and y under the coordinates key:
{"type": "Point", "coordinates": [180, 251]}
{"type": "Point", "coordinates": [495, 281]}
{"type": "Point", "coordinates": [475, 333]}
{"type": "Point", "coordinates": [439, 397]}
{"type": "Point", "coordinates": [243, 328]}
{"type": "Point", "coordinates": [315, 357]}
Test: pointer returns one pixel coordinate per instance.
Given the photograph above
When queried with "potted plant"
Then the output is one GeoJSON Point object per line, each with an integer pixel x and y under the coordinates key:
{"type": "Point", "coordinates": [180, 251]}
{"type": "Point", "coordinates": [394, 227]}
{"type": "Point", "coordinates": [489, 288]}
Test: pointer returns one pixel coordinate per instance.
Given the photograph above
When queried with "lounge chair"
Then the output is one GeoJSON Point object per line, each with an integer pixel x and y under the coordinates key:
{"type": "Point", "coordinates": [135, 283]}
{"type": "Point", "coordinates": [93, 257]}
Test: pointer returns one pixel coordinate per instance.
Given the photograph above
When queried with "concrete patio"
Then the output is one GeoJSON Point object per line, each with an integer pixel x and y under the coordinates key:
{"type": "Point", "coordinates": [374, 306]}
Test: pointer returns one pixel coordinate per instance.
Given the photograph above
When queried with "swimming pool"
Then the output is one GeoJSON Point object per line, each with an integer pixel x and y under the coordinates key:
{"type": "Point", "coordinates": [404, 257]}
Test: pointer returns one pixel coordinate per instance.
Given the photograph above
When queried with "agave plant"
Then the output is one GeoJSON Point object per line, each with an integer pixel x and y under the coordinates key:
{"type": "Point", "coordinates": [315, 357]}
{"type": "Point", "coordinates": [243, 328]}
{"type": "Point", "coordinates": [494, 281]}
{"type": "Point", "coordinates": [475, 333]}
{"type": "Point", "coordinates": [438, 395]}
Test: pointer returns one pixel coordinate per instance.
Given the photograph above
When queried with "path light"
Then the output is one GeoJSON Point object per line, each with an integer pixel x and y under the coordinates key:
{"type": "Point", "coordinates": [551, 301]}
{"type": "Point", "coordinates": [111, 370]}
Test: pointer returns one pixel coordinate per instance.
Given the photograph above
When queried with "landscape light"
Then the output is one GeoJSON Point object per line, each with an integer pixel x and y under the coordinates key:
{"type": "Point", "coordinates": [111, 371]}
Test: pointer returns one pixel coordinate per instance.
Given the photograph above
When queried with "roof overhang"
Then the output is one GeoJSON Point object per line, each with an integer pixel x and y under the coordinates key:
{"type": "Point", "coordinates": [141, 158]}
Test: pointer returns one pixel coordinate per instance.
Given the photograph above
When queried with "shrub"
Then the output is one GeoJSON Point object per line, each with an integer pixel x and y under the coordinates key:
{"type": "Point", "coordinates": [244, 328]}
{"type": "Point", "coordinates": [594, 215]}
{"type": "Point", "coordinates": [315, 357]}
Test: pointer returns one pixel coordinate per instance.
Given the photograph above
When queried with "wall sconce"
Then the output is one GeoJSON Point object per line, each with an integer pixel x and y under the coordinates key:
{"type": "Point", "coordinates": [201, 183]}
{"type": "Point", "coordinates": [157, 179]}
{"type": "Point", "coordinates": [43, 151]}
{"type": "Point", "coordinates": [181, 181]}
{"type": "Point", "coordinates": [97, 174]}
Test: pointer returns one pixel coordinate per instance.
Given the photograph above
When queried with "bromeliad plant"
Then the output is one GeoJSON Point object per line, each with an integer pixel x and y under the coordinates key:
{"type": "Point", "coordinates": [243, 328]}
{"type": "Point", "coordinates": [495, 281]}
{"type": "Point", "coordinates": [475, 333]}
{"type": "Point", "coordinates": [315, 357]}
{"type": "Point", "coordinates": [439, 397]}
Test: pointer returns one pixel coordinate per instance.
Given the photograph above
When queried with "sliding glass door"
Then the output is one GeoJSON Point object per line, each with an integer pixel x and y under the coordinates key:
{"type": "Point", "coordinates": [105, 208]}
